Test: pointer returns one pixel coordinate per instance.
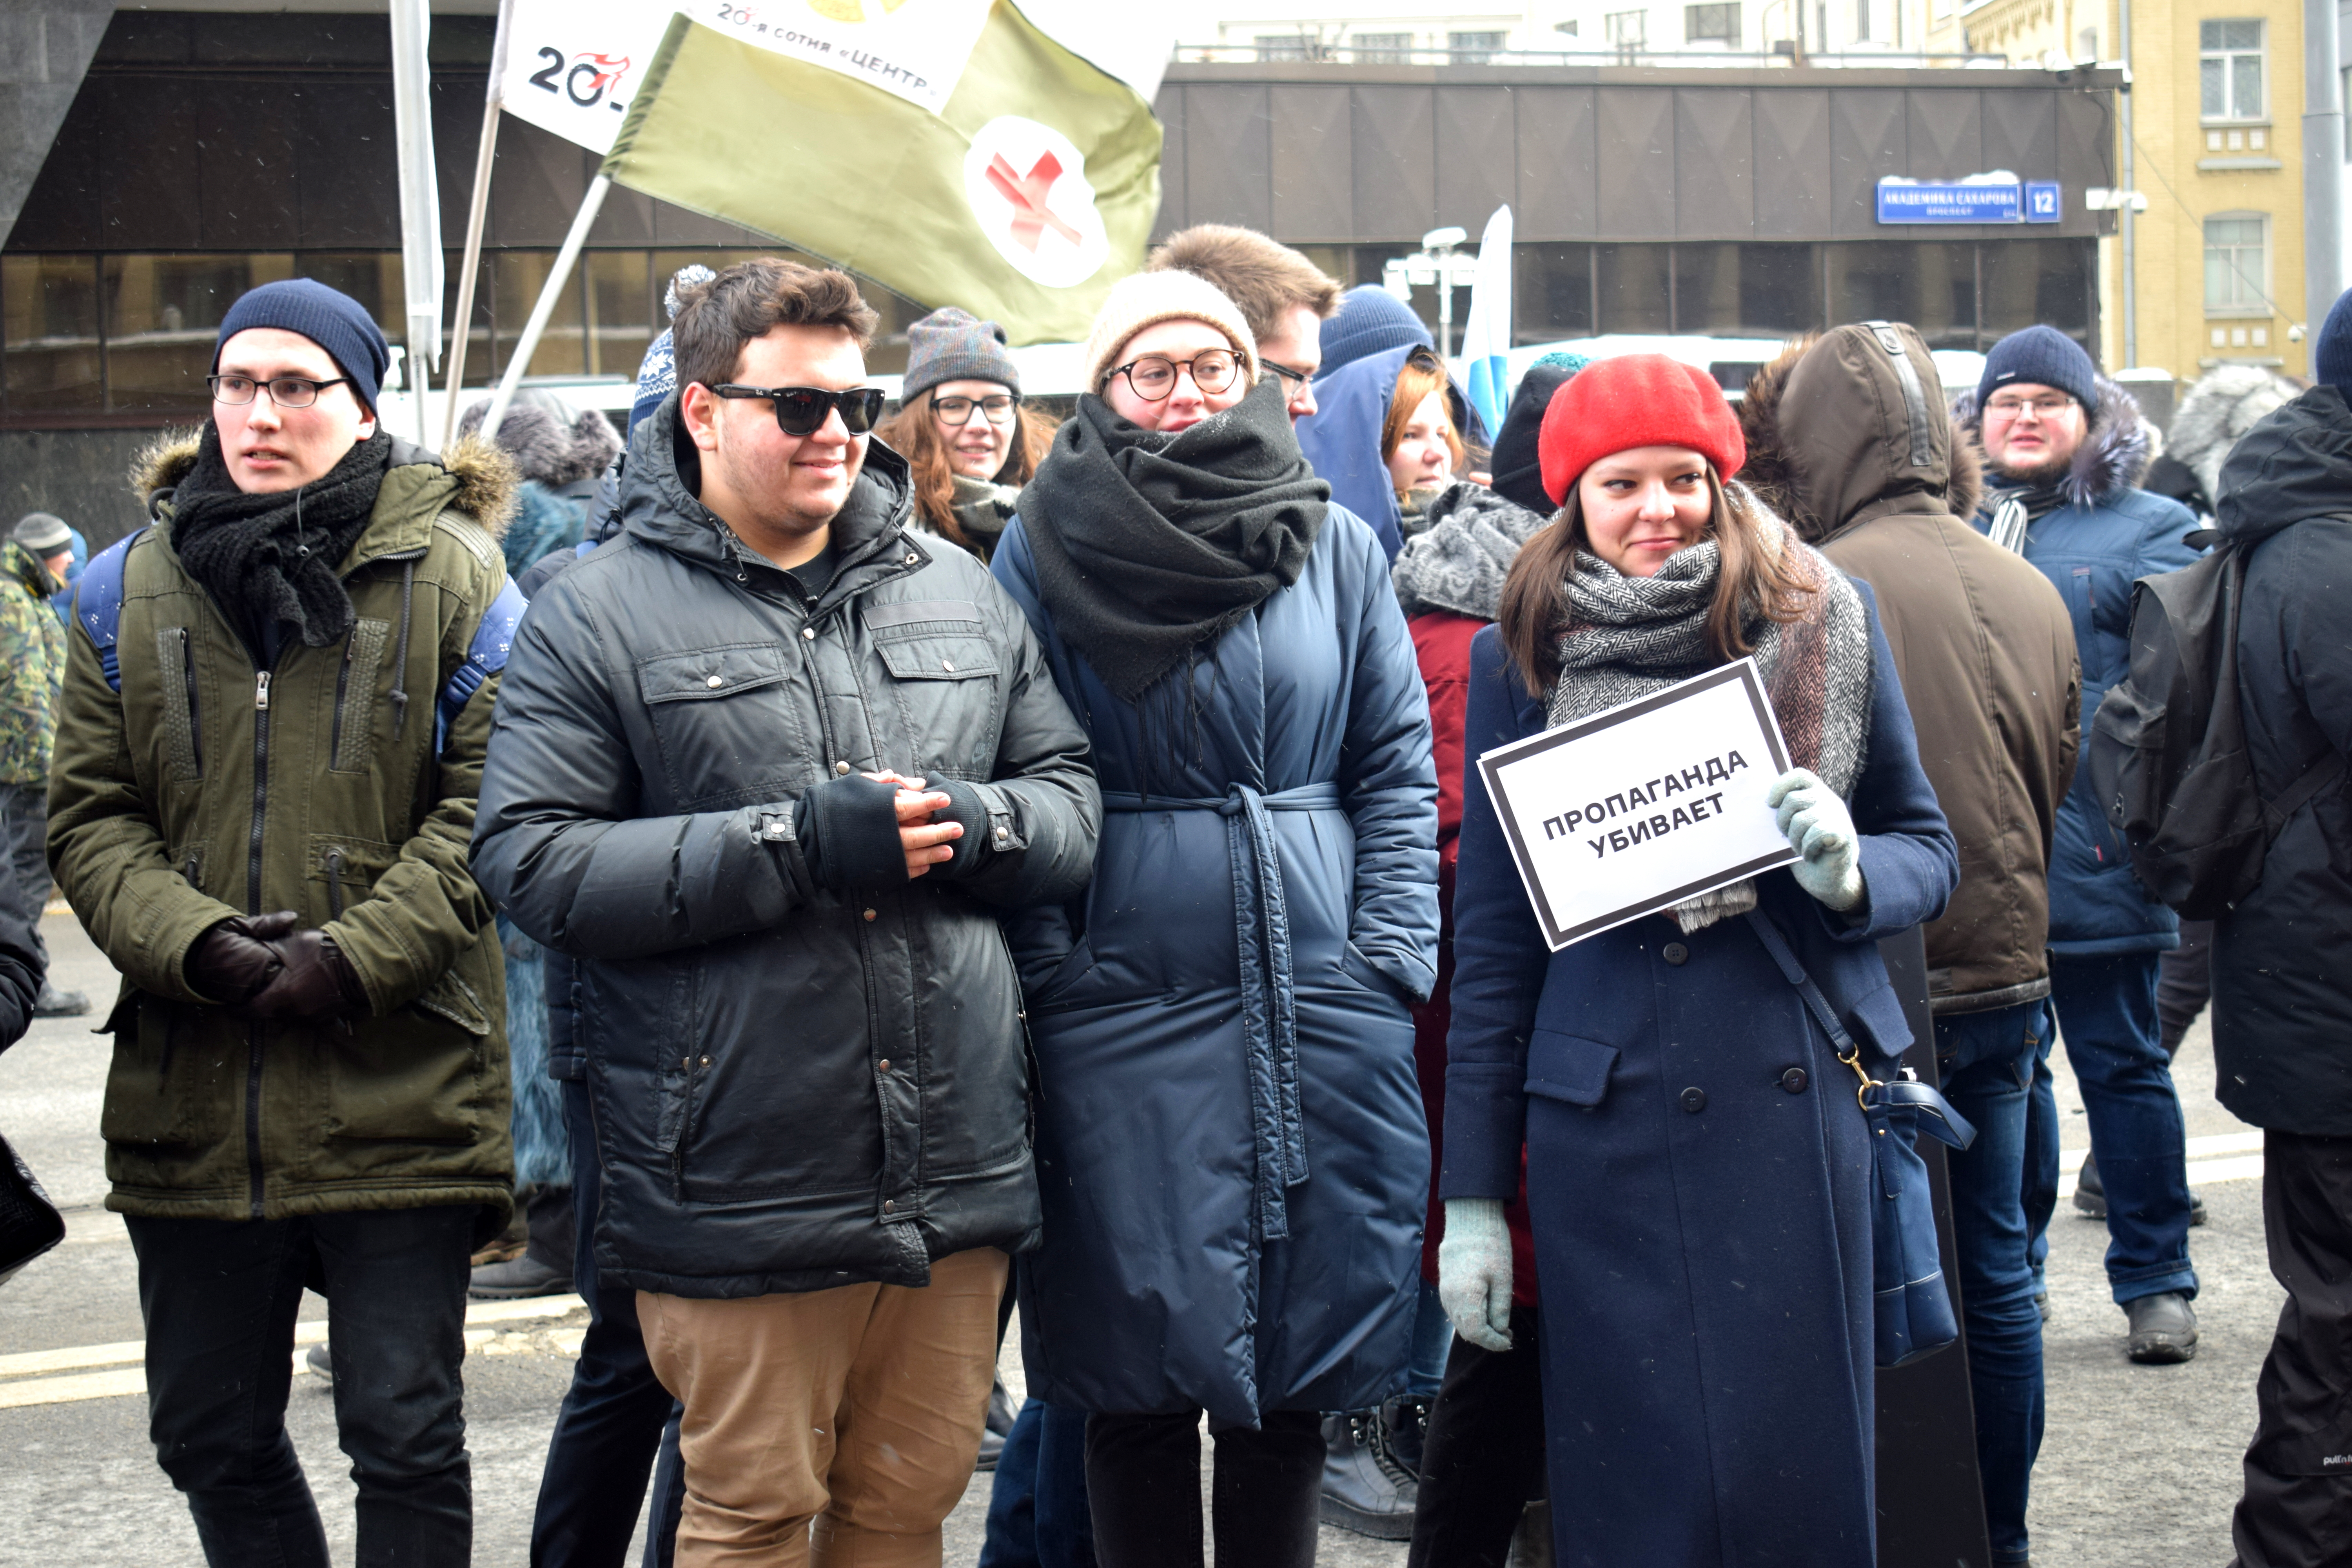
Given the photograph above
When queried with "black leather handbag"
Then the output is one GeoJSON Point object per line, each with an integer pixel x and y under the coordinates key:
{"type": "Point", "coordinates": [29, 1223]}
{"type": "Point", "coordinates": [1912, 1304]}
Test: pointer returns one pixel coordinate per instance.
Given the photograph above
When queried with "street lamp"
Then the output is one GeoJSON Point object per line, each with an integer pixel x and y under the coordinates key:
{"type": "Point", "coordinates": [1434, 264]}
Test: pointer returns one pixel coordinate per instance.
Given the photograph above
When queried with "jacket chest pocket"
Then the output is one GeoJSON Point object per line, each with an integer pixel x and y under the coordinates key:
{"type": "Point", "coordinates": [176, 669]}
{"type": "Point", "coordinates": [350, 731]}
{"type": "Point", "coordinates": [726, 719]}
{"type": "Point", "coordinates": [944, 683]}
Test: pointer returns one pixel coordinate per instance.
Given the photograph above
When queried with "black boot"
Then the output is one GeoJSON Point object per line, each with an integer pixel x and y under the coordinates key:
{"type": "Point", "coordinates": [1364, 1489]}
{"type": "Point", "coordinates": [1407, 1420]}
{"type": "Point", "coordinates": [2091, 1194]}
{"type": "Point", "coordinates": [999, 1426]}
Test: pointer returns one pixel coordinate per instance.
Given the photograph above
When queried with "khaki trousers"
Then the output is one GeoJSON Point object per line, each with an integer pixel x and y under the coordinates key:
{"type": "Point", "coordinates": [858, 1410]}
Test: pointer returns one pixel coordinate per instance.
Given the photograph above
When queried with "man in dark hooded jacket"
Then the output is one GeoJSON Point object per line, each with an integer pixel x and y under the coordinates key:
{"type": "Point", "coordinates": [735, 739]}
{"type": "Point", "coordinates": [2283, 956]}
{"type": "Point", "coordinates": [1844, 441]}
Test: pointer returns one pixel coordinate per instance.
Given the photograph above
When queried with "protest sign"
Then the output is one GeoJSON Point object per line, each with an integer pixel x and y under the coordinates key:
{"type": "Point", "coordinates": [1626, 812]}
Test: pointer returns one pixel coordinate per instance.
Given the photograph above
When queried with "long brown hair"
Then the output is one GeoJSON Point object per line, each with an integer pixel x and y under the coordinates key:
{"type": "Point", "coordinates": [914, 435]}
{"type": "Point", "coordinates": [1422, 373]}
{"type": "Point", "coordinates": [1535, 601]}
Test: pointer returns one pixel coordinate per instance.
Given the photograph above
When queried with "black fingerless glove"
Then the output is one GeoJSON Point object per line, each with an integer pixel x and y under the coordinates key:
{"type": "Point", "coordinates": [848, 833]}
{"type": "Point", "coordinates": [966, 809]}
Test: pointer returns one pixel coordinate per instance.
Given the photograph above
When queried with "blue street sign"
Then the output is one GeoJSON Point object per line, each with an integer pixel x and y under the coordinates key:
{"type": "Point", "coordinates": [1901, 202]}
{"type": "Point", "coordinates": [2042, 201]}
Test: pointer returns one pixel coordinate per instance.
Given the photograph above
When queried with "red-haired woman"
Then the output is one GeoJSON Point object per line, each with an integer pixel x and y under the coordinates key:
{"type": "Point", "coordinates": [963, 430]}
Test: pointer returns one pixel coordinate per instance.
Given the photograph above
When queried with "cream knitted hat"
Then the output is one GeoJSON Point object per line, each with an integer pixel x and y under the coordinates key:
{"type": "Point", "coordinates": [1141, 299]}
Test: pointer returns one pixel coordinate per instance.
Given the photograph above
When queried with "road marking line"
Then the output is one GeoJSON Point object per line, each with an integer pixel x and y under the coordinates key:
{"type": "Point", "coordinates": [106, 1385]}
{"type": "Point", "coordinates": [2197, 1148]}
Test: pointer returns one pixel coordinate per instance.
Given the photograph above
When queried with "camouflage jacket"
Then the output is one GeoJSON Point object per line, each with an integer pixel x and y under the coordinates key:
{"type": "Point", "coordinates": [32, 666]}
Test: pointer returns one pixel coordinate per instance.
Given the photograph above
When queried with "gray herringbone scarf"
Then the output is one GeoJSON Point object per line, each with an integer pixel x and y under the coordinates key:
{"type": "Point", "coordinates": [1628, 637]}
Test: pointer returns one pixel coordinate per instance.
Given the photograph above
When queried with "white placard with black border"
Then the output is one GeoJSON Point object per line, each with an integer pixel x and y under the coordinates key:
{"type": "Point", "coordinates": [1632, 810]}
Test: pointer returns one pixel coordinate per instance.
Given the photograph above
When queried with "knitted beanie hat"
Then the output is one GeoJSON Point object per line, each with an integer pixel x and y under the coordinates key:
{"type": "Point", "coordinates": [1371, 319]}
{"type": "Point", "coordinates": [2331, 357]}
{"type": "Point", "coordinates": [1516, 464]}
{"type": "Point", "coordinates": [2039, 356]}
{"type": "Point", "coordinates": [1639, 400]}
{"type": "Point", "coordinates": [334, 320]}
{"type": "Point", "coordinates": [949, 344]}
{"type": "Point", "coordinates": [42, 533]}
{"type": "Point", "coordinates": [1141, 300]}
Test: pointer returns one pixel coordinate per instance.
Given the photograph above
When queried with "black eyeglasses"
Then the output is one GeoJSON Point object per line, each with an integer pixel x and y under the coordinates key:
{"type": "Point", "coordinates": [1287, 373]}
{"type": "Point", "coordinates": [803, 410]}
{"type": "Point", "coordinates": [1153, 377]}
{"type": "Point", "coordinates": [958, 411]}
{"type": "Point", "coordinates": [285, 391]}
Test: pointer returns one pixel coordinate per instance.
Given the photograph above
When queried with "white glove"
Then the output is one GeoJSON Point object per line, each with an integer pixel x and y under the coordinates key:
{"type": "Point", "coordinates": [1821, 829]}
{"type": "Point", "coordinates": [1473, 1272]}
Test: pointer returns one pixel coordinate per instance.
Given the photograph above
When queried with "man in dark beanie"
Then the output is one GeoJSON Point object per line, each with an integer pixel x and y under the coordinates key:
{"type": "Point", "coordinates": [2063, 450]}
{"type": "Point", "coordinates": [276, 702]}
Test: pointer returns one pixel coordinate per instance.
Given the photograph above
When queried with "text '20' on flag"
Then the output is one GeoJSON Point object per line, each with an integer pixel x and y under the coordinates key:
{"type": "Point", "coordinates": [971, 152]}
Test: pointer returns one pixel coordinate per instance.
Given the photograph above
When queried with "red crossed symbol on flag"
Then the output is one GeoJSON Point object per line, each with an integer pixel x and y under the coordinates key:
{"type": "Point", "coordinates": [1031, 217]}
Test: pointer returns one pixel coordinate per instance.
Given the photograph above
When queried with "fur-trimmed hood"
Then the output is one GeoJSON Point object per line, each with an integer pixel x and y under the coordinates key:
{"type": "Point", "coordinates": [1865, 441]}
{"type": "Point", "coordinates": [485, 476]}
{"type": "Point", "coordinates": [2114, 456]}
{"type": "Point", "coordinates": [550, 440]}
{"type": "Point", "coordinates": [2227, 402]}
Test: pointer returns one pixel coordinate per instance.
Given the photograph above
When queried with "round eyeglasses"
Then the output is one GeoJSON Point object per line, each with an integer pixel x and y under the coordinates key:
{"type": "Point", "coordinates": [1152, 377]}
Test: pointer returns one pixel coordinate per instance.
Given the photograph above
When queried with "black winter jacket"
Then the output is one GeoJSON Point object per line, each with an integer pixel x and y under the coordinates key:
{"type": "Point", "coordinates": [794, 1088]}
{"type": "Point", "coordinates": [2282, 958]}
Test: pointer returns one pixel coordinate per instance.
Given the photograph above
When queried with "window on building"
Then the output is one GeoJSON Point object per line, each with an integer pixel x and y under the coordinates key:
{"type": "Point", "coordinates": [1551, 292]}
{"type": "Point", "coordinates": [1381, 48]}
{"type": "Point", "coordinates": [1627, 32]}
{"type": "Point", "coordinates": [2237, 264]}
{"type": "Point", "coordinates": [1712, 24]}
{"type": "Point", "coordinates": [2230, 70]}
{"type": "Point", "coordinates": [1275, 47]}
{"type": "Point", "coordinates": [1475, 48]}
{"type": "Point", "coordinates": [1862, 21]}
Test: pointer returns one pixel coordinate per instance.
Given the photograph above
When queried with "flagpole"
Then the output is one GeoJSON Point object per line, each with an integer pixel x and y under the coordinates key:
{"type": "Point", "coordinates": [581, 221]}
{"type": "Point", "coordinates": [477, 219]}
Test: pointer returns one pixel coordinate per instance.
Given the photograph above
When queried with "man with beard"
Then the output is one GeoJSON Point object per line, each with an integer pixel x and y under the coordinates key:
{"type": "Point", "coordinates": [2065, 449]}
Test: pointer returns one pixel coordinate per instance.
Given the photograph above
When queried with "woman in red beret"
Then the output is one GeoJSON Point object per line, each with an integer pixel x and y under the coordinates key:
{"type": "Point", "coordinates": [1697, 1169]}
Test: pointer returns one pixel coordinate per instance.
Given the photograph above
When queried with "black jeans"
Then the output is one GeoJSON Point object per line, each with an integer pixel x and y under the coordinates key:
{"type": "Point", "coordinates": [1143, 1483]}
{"type": "Point", "coordinates": [1482, 1459]}
{"type": "Point", "coordinates": [611, 1418]}
{"type": "Point", "coordinates": [219, 1297]}
{"type": "Point", "coordinates": [2297, 1508]}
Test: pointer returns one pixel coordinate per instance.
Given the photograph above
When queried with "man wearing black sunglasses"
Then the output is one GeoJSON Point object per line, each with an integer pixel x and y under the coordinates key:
{"type": "Point", "coordinates": [771, 766]}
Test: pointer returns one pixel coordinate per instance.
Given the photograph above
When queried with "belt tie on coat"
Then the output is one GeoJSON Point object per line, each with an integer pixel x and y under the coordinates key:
{"type": "Point", "coordinates": [1269, 1009]}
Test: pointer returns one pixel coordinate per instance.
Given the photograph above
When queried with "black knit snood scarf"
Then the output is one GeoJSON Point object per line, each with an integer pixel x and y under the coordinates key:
{"type": "Point", "coordinates": [270, 559]}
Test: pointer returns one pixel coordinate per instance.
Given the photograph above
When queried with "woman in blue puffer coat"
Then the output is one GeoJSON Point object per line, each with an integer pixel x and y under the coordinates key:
{"type": "Point", "coordinates": [1231, 1146]}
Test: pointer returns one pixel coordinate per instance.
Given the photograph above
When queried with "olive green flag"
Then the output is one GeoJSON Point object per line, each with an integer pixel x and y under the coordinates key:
{"type": "Point", "coordinates": [981, 165]}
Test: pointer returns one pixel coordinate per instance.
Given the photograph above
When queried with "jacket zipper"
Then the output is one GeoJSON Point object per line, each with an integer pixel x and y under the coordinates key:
{"type": "Point", "coordinates": [342, 689]}
{"type": "Point", "coordinates": [253, 906]}
{"type": "Point", "coordinates": [196, 719]}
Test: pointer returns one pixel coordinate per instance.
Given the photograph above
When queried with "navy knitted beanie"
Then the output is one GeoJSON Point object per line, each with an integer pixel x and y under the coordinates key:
{"type": "Point", "coordinates": [334, 320]}
{"type": "Point", "coordinates": [949, 344]}
{"type": "Point", "coordinates": [1371, 319]}
{"type": "Point", "coordinates": [2331, 357]}
{"type": "Point", "coordinates": [2040, 356]}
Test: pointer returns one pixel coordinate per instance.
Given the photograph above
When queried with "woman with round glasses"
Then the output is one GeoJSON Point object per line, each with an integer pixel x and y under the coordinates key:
{"type": "Point", "coordinates": [1232, 1152]}
{"type": "Point", "coordinates": [963, 430]}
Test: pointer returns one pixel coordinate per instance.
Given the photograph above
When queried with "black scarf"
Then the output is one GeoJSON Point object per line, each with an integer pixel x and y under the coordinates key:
{"type": "Point", "coordinates": [1149, 545]}
{"type": "Point", "coordinates": [272, 558]}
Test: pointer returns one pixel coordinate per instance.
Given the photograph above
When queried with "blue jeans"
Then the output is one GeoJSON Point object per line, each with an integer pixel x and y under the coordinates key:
{"type": "Point", "coordinates": [219, 1299]}
{"type": "Point", "coordinates": [1037, 1512]}
{"type": "Point", "coordinates": [2107, 1015]}
{"type": "Point", "coordinates": [1988, 1061]}
{"type": "Point", "coordinates": [614, 1415]}
{"type": "Point", "coordinates": [1433, 1341]}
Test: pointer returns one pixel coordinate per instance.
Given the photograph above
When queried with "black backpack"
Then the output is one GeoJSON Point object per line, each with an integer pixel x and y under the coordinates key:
{"type": "Point", "coordinates": [2167, 748]}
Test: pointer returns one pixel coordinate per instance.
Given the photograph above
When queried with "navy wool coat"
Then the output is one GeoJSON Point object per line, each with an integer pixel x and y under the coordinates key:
{"type": "Point", "coordinates": [1697, 1173]}
{"type": "Point", "coordinates": [1233, 1154]}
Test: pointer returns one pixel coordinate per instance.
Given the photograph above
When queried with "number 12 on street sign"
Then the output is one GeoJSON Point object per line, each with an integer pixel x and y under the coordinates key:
{"type": "Point", "coordinates": [1630, 811]}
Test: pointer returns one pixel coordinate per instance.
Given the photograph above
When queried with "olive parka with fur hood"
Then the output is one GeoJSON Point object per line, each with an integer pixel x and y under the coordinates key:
{"type": "Point", "coordinates": [191, 786]}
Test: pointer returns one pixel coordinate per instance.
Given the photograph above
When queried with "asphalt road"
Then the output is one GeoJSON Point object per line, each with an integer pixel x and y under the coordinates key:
{"type": "Point", "coordinates": [2139, 1468]}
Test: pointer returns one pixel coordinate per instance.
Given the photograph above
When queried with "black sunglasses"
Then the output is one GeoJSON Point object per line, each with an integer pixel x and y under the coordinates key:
{"type": "Point", "coordinates": [801, 410]}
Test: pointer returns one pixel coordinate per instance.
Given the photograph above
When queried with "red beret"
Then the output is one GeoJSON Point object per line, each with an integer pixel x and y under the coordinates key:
{"type": "Point", "coordinates": [1639, 400]}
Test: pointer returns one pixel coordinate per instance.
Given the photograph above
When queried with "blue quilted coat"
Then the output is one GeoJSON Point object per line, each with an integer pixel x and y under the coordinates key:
{"type": "Point", "coordinates": [1231, 1147]}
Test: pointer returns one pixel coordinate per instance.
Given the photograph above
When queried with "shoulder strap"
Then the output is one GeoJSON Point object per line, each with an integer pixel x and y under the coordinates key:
{"type": "Point", "coordinates": [484, 656]}
{"type": "Point", "coordinates": [98, 604]}
{"type": "Point", "coordinates": [1794, 973]}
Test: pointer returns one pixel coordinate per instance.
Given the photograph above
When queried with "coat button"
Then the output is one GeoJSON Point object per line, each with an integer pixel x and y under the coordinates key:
{"type": "Point", "coordinates": [1674, 952]}
{"type": "Point", "coordinates": [1794, 1081]}
{"type": "Point", "coordinates": [888, 1207]}
{"type": "Point", "coordinates": [883, 1066]}
{"type": "Point", "coordinates": [1003, 833]}
{"type": "Point", "coordinates": [809, 633]}
{"type": "Point", "coordinates": [714, 683]}
{"type": "Point", "coordinates": [948, 664]}
{"type": "Point", "coordinates": [869, 914]}
{"type": "Point", "coordinates": [1693, 1101]}
{"type": "Point", "coordinates": [841, 770]}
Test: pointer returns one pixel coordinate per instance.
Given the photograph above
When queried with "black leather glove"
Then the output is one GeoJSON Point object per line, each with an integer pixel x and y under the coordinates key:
{"type": "Point", "coordinates": [315, 983]}
{"type": "Point", "coordinates": [231, 961]}
{"type": "Point", "coordinates": [848, 833]}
